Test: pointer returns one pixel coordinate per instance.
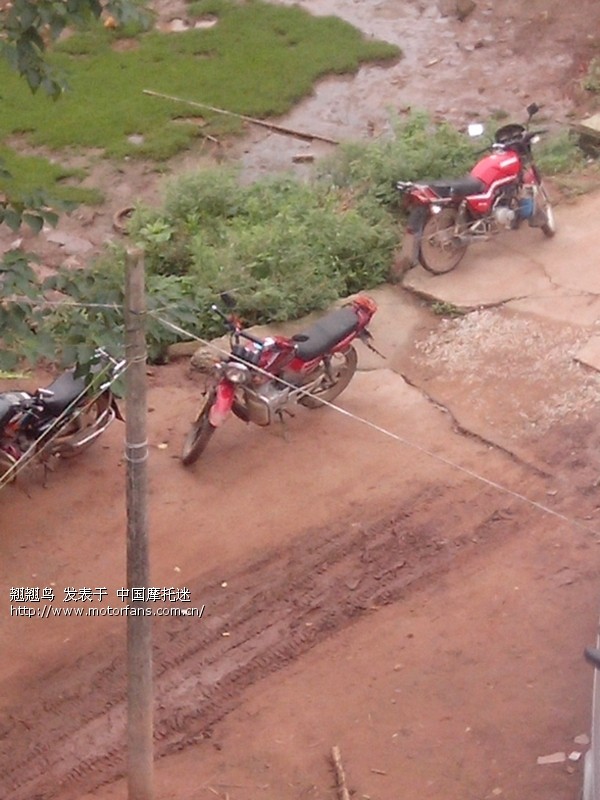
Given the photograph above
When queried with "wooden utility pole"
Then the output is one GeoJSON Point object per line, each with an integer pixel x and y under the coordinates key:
{"type": "Point", "coordinates": [140, 767]}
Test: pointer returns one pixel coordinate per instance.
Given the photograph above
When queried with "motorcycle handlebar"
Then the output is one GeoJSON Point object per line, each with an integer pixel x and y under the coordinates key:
{"type": "Point", "coordinates": [525, 138]}
{"type": "Point", "coordinates": [251, 337]}
{"type": "Point", "coordinates": [234, 328]}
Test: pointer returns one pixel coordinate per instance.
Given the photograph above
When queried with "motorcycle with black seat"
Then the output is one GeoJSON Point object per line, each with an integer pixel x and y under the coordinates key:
{"type": "Point", "coordinates": [263, 378]}
{"type": "Point", "coordinates": [504, 189]}
{"type": "Point", "coordinates": [60, 420]}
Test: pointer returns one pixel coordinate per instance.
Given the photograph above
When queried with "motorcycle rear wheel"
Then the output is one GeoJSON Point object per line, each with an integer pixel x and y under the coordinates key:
{"type": "Point", "coordinates": [342, 368]}
{"type": "Point", "coordinates": [441, 250]}
{"type": "Point", "coordinates": [198, 436]}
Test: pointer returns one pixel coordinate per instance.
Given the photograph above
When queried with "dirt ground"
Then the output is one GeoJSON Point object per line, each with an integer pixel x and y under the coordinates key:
{"type": "Point", "coordinates": [420, 598]}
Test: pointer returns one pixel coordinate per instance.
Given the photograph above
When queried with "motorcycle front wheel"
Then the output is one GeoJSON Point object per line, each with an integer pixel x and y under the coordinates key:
{"type": "Point", "coordinates": [342, 367]}
{"type": "Point", "coordinates": [198, 437]}
{"type": "Point", "coordinates": [545, 207]}
{"type": "Point", "coordinates": [441, 249]}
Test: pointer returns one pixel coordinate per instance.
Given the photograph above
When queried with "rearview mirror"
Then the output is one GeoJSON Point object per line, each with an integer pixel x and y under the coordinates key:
{"type": "Point", "coordinates": [475, 129]}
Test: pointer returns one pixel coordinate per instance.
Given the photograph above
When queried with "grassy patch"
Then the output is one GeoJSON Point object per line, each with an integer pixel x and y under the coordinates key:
{"type": "Point", "coordinates": [560, 154]}
{"type": "Point", "coordinates": [27, 174]}
{"type": "Point", "coordinates": [258, 60]}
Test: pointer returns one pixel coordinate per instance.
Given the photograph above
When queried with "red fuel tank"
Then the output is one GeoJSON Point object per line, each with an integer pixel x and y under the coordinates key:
{"type": "Point", "coordinates": [494, 171]}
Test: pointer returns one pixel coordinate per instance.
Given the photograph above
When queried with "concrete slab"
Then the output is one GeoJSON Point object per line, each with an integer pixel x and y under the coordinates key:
{"type": "Point", "coordinates": [491, 273]}
{"type": "Point", "coordinates": [574, 308]}
{"type": "Point", "coordinates": [590, 353]}
{"type": "Point", "coordinates": [589, 126]}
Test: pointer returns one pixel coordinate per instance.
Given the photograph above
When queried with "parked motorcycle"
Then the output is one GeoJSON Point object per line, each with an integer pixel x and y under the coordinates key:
{"type": "Point", "coordinates": [62, 419]}
{"type": "Point", "coordinates": [264, 378]}
{"type": "Point", "coordinates": [502, 190]}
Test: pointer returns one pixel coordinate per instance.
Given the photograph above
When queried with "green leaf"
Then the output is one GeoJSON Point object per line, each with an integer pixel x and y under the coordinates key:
{"type": "Point", "coordinates": [35, 222]}
{"type": "Point", "coordinates": [12, 218]}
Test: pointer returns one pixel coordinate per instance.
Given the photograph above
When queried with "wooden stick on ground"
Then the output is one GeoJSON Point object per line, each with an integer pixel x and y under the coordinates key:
{"type": "Point", "coordinates": [270, 125]}
{"type": "Point", "coordinates": [339, 773]}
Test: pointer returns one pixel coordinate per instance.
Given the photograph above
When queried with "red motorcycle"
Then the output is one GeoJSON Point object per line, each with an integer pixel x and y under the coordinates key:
{"type": "Point", "coordinates": [60, 420]}
{"type": "Point", "coordinates": [263, 378]}
{"type": "Point", "coordinates": [502, 190]}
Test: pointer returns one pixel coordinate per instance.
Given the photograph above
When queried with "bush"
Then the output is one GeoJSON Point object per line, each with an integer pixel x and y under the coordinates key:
{"type": "Point", "coordinates": [283, 247]}
{"type": "Point", "coordinates": [560, 154]}
{"type": "Point", "coordinates": [415, 149]}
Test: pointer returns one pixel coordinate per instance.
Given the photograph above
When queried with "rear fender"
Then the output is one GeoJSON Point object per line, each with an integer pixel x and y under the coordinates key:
{"type": "Point", "coordinates": [222, 405]}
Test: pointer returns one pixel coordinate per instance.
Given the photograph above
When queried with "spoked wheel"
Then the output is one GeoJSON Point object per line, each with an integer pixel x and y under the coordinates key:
{"type": "Point", "coordinates": [198, 436]}
{"type": "Point", "coordinates": [342, 367]}
{"type": "Point", "coordinates": [441, 249]}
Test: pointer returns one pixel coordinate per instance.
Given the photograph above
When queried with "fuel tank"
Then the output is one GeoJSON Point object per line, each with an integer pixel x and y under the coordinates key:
{"type": "Point", "coordinates": [495, 171]}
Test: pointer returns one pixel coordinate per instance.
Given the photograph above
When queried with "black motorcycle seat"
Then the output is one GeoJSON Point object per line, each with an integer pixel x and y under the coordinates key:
{"type": "Point", "coordinates": [65, 389]}
{"type": "Point", "coordinates": [458, 187]}
{"type": "Point", "coordinates": [325, 333]}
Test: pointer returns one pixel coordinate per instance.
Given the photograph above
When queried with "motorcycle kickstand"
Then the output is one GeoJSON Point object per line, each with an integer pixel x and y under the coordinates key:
{"type": "Point", "coordinates": [280, 414]}
{"type": "Point", "coordinates": [48, 468]}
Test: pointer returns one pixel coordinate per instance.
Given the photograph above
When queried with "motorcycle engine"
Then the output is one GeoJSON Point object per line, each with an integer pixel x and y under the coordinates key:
{"type": "Point", "coordinates": [264, 401]}
{"type": "Point", "coordinates": [504, 216]}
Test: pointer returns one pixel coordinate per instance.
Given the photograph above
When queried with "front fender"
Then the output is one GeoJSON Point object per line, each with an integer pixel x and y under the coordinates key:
{"type": "Point", "coordinates": [223, 402]}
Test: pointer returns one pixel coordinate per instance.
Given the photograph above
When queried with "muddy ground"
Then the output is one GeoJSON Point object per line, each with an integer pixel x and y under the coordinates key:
{"type": "Point", "coordinates": [414, 580]}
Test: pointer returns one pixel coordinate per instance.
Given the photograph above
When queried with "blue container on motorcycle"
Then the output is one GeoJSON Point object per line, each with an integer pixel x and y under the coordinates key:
{"type": "Point", "coordinates": [526, 207]}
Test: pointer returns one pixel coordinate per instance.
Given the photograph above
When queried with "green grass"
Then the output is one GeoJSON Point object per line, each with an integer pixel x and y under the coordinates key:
{"type": "Point", "coordinates": [28, 174]}
{"type": "Point", "coordinates": [259, 60]}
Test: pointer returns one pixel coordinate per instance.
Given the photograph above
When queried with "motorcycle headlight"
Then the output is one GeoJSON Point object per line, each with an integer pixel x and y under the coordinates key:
{"type": "Point", "coordinates": [237, 373]}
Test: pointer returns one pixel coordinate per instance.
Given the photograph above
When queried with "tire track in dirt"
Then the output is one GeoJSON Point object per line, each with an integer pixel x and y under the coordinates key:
{"type": "Point", "coordinates": [71, 738]}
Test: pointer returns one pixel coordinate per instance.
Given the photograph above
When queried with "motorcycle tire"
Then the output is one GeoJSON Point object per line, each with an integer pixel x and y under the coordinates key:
{"type": "Point", "coordinates": [198, 436]}
{"type": "Point", "coordinates": [549, 227]}
{"type": "Point", "coordinates": [440, 249]}
{"type": "Point", "coordinates": [342, 368]}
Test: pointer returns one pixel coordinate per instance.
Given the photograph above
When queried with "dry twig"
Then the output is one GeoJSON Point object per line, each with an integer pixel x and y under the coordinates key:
{"type": "Point", "coordinates": [339, 773]}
